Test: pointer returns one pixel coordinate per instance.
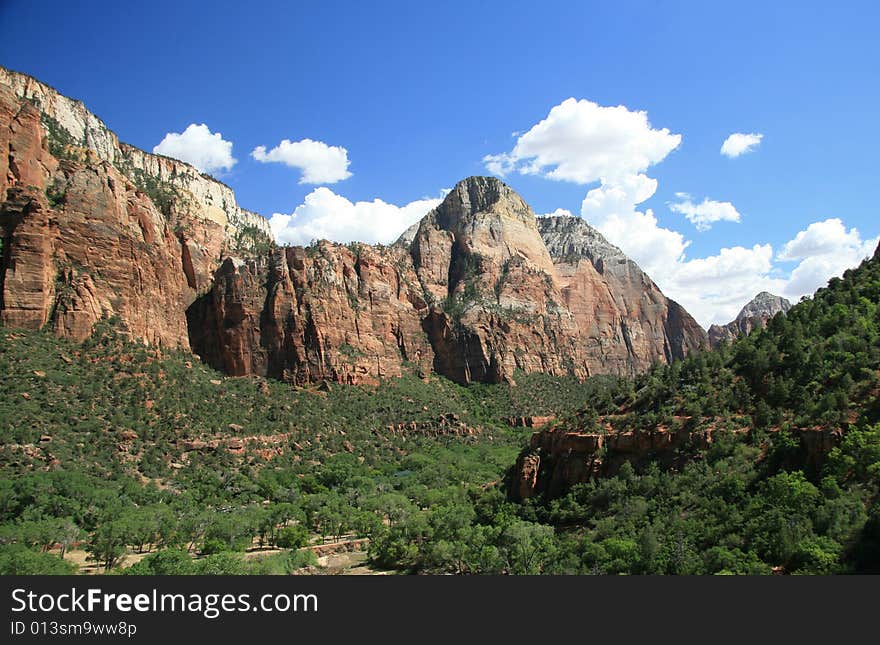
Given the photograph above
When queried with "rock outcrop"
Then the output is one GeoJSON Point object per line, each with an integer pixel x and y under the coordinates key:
{"type": "Point", "coordinates": [93, 228]}
{"type": "Point", "coordinates": [625, 321]}
{"type": "Point", "coordinates": [471, 292]}
{"type": "Point", "coordinates": [561, 457]}
{"type": "Point", "coordinates": [755, 315]}
{"type": "Point", "coordinates": [495, 302]}
{"type": "Point", "coordinates": [350, 314]}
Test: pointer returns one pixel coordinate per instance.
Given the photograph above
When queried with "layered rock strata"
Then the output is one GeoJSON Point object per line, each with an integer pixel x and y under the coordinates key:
{"type": "Point", "coordinates": [478, 289]}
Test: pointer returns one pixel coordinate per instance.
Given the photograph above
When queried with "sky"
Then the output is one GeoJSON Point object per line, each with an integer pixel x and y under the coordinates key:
{"type": "Point", "coordinates": [727, 147]}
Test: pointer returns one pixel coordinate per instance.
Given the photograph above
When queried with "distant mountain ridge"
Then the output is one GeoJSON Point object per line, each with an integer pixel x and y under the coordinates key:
{"type": "Point", "coordinates": [754, 315]}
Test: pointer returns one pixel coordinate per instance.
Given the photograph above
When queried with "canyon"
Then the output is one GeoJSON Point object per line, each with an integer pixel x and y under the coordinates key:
{"type": "Point", "coordinates": [479, 289]}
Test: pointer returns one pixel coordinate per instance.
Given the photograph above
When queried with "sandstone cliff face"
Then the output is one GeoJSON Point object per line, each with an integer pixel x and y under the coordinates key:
{"type": "Point", "coordinates": [626, 322]}
{"type": "Point", "coordinates": [92, 228]}
{"type": "Point", "coordinates": [496, 306]}
{"type": "Point", "coordinates": [559, 458]}
{"type": "Point", "coordinates": [210, 199]}
{"type": "Point", "coordinates": [349, 314]}
{"type": "Point", "coordinates": [755, 315]}
{"type": "Point", "coordinates": [472, 292]}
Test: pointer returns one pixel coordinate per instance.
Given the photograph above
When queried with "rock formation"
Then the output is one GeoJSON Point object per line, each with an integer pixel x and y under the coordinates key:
{"type": "Point", "coordinates": [626, 322]}
{"type": "Point", "coordinates": [93, 228]}
{"type": "Point", "coordinates": [349, 314]}
{"type": "Point", "coordinates": [755, 315]}
{"type": "Point", "coordinates": [561, 457]}
{"type": "Point", "coordinates": [495, 302]}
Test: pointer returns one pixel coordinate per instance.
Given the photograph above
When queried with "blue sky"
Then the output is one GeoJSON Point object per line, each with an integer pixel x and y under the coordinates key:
{"type": "Point", "coordinates": [419, 94]}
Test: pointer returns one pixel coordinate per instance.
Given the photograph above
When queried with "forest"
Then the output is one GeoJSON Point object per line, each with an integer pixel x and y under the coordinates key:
{"type": "Point", "coordinates": [121, 450]}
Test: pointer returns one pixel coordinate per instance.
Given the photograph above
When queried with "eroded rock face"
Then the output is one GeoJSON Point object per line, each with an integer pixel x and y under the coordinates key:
{"type": "Point", "coordinates": [755, 315]}
{"type": "Point", "coordinates": [561, 457]}
{"type": "Point", "coordinates": [93, 229]}
{"type": "Point", "coordinates": [330, 312]}
{"type": "Point", "coordinates": [626, 323]}
{"type": "Point", "coordinates": [496, 305]}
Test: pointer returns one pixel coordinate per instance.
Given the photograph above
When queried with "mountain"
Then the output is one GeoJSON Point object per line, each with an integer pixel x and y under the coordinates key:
{"type": "Point", "coordinates": [756, 314]}
{"type": "Point", "coordinates": [792, 376]}
{"type": "Point", "coordinates": [93, 228]}
{"type": "Point", "coordinates": [116, 445]}
{"type": "Point", "coordinates": [627, 321]}
{"type": "Point", "coordinates": [473, 293]}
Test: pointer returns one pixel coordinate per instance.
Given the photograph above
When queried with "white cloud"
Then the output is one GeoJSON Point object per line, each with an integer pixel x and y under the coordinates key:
{"type": "Point", "coordinates": [583, 142]}
{"type": "Point", "coordinates": [197, 145]}
{"type": "Point", "coordinates": [824, 249]}
{"type": "Point", "coordinates": [820, 238]}
{"type": "Point", "coordinates": [612, 210]}
{"type": "Point", "coordinates": [739, 143]}
{"type": "Point", "coordinates": [319, 163]}
{"type": "Point", "coordinates": [706, 213]}
{"type": "Point", "coordinates": [559, 212]}
{"type": "Point", "coordinates": [714, 288]}
{"type": "Point", "coordinates": [326, 215]}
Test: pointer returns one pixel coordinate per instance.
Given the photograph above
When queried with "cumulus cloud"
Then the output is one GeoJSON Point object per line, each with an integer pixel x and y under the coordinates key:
{"type": "Point", "coordinates": [197, 145]}
{"type": "Point", "coordinates": [714, 288]}
{"type": "Point", "coordinates": [823, 250]}
{"type": "Point", "coordinates": [559, 212]}
{"type": "Point", "coordinates": [612, 210]}
{"type": "Point", "coordinates": [326, 215]}
{"type": "Point", "coordinates": [613, 148]}
{"type": "Point", "coordinates": [583, 142]}
{"type": "Point", "coordinates": [739, 143]}
{"type": "Point", "coordinates": [319, 163]}
{"type": "Point", "coordinates": [820, 238]}
{"type": "Point", "coordinates": [706, 213]}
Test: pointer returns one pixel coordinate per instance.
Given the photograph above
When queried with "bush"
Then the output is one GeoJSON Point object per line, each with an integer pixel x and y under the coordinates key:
{"type": "Point", "coordinates": [292, 537]}
{"type": "Point", "coordinates": [168, 562]}
{"type": "Point", "coordinates": [17, 560]}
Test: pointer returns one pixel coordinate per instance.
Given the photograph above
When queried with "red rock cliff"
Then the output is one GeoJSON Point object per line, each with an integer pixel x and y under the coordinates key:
{"type": "Point", "coordinates": [93, 229]}
{"type": "Point", "coordinates": [480, 288]}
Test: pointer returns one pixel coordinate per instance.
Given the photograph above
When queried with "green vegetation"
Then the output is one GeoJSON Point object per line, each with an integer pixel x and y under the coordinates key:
{"type": "Point", "coordinates": [56, 192]}
{"type": "Point", "coordinates": [750, 504]}
{"type": "Point", "coordinates": [253, 240]}
{"type": "Point", "coordinates": [128, 449]}
{"type": "Point", "coordinates": [59, 137]}
{"type": "Point", "coordinates": [459, 300]}
{"type": "Point", "coordinates": [121, 450]}
{"type": "Point", "coordinates": [162, 193]}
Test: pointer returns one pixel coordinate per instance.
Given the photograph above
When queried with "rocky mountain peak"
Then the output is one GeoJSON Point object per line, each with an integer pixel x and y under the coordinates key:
{"type": "Point", "coordinates": [756, 314]}
{"type": "Point", "coordinates": [474, 196]}
{"type": "Point", "coordinates": [764, 304]}
{"type": "Point", "coordinates": [94, 228]}
{"type": "Point", "coordinates": [483, 219]}
{"type": "Point", "coordinates": [572, 237]}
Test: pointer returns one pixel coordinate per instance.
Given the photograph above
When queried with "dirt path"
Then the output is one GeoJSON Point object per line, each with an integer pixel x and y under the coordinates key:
{"type": "Point", "coordinates": [347, 556]}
